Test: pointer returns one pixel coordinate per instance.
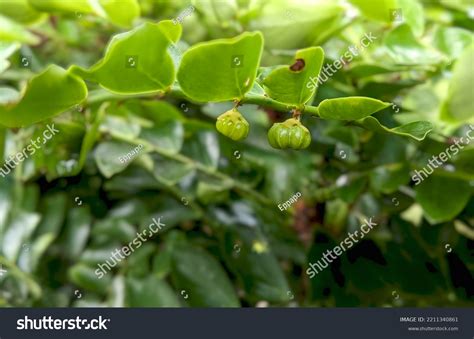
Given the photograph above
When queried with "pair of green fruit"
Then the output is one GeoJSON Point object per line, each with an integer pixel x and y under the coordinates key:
{"type": "Point", "coordinates": [288, 134]}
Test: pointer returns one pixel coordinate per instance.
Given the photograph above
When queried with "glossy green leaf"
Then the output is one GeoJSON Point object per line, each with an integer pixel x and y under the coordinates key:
{"type": "Point", "coordinates": [292, 84]}
{"type": "Point", "coordinates": [459, 104]}
{"type": "Point", "coordinates": [350, 108]}
{"type": "Point", "coordinates": [137, 61]}
{"type": "Point", "coordinates": [199, 275]}
{"type": "Point", "coordinates": [417, 130]}
{"type": "Point", "coordinates": [10, 31]}
{"type": "Point", "coordinates": [442, 197]}
{"type": "Point", "coordinates": [222, 69]}
{"type": "Point", "coordinates": [36, 105]}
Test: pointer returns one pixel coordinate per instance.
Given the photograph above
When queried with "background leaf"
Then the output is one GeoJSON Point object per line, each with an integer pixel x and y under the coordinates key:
{"type": "Point", "coordinates": [36, 105]}
{"type": "Point", "coordinates": [459, 105]}
{"type": "Point", "coordinates": [202, 278]}
{"type": "Point", "coordinates": [441, 197]}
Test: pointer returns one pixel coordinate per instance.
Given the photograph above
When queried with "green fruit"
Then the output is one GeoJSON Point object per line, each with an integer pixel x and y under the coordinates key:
{"type": "Point", "coordinates": [233, 125]}
{"type": "Point", "coordinates": [289, 134]}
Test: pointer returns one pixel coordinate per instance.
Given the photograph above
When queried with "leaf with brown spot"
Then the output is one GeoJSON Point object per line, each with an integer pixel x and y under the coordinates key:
{"type": "Point", "coordinates": [292, 85]}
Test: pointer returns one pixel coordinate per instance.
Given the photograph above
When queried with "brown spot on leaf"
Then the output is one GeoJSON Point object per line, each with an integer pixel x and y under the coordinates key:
{"type": "Point", "coordinates": [298, 65]}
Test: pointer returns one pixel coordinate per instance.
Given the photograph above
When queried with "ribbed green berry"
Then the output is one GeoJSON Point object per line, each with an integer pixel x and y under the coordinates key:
{"type": "Point", "coordinates": [233, 125]}
{"type": "Point", "coordinates": [289, 134]}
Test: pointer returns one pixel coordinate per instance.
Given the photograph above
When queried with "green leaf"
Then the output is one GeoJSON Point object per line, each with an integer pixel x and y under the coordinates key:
{"type": "Point", "coordinates": [452, 41]}
{"type": "Point", "coordinates": [350, 108]}
{"type": "Point", "coordinates": [314, 23]}
{"type": "Point", "coordinates": [221, 70]}
{"type": "Point", "coordinates": [150, 292]}
{"type": "Point", "coordinates": [20, 11]}
{"type": "Point", "coordinates": [10, 31]}
{"type": "Point", "coordinates": [169, 171]}
{"type": "Point", "coordinates": [199, 275]}
{"type": "Point", "coordinates": [78, 6]}
{"type": "Point", "coordinates": [412, 13]}
{"type": "Point", "coordinates": [203, 147]}
{"type": "Point", "coordinates": [36, 103]}
{"type": "Point", "coordinates": [137, 62]}
{"type": "Point", "coordinates": [417, 130]}
{"type": "Point", "coordinates": [212, 191]}
{"type": "Point", "coordinates": [363, 69]}
{"type": "Point", "coordinates": [292, 85]}
{"type": "Point", "coordinates": [168, 136]}
{"type": "Point", "coordinates": [58, 155]}
{"type": "Point", "coordinates": [77, 230]}
{"type": "Point", "coordinates": [464, 162]}
{"type": "Point", "coordinates": [459, 105]}
{"type": "Point", "coordinates": [259, 271]}
{"type": "Point", "coordinates": [90, 138]}
{"type": "Point", "coordinates": [54, 210]}
{"type": "Point", "coordinates": [381, 12]}
{"type": "Point", "coordinates": [17, 233]}
{"type": "Point", "coordinates": [442, 197]}
{"type": "Point", "coordinates": [388, 178]}
{"type": "Point", "coordinates": [113, 157]}
{"type": "Point", "coordinates": [405, 49]}
{"type": "Point", "coordinates": [84, 277]}
{"type": "Point", "coordinates": [121, 13]}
